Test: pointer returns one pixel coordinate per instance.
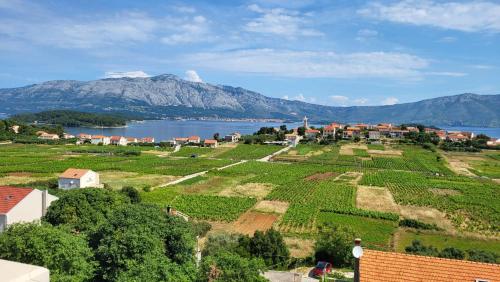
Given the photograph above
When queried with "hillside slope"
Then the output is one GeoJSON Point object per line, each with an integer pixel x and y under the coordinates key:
{"type": "Point", "coordinates": [170, 96]}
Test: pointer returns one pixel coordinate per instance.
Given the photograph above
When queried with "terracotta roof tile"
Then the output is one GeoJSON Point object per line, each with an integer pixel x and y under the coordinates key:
{"type": "Point", "coordinates": [11, 196]}
{"type": "Point", "coordinates": [74, 173]}
{"type": "Point", "coordinates": [384, 266]}
{"type": "Point", "coordinates": [210, 141]}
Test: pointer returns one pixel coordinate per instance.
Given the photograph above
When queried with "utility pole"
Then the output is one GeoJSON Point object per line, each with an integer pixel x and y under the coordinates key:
{"type": "Point", "coordinates": [357, 252]}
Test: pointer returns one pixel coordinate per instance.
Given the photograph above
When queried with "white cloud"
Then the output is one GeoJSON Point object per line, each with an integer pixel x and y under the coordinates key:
{"type": "Point", "coordinates": [118, 74]}
{"type": "Point", "coordinates": [482, 67]}
{"type": "Point", "coordinates": [121, 28]}
{"type": "Point", "coordinates": [470, 16]}
{"type": "Point", "coordinates": [192, 75]}
{"type": "Point", "coordinates": [281, 22]}
{"type": "Point", "coordinates": [365, 34]}
{"type": "Point", "coordinates": [188, 30]}
{"type": "Point", "coordinates": [287, 63]}
{"type": "Point", "coordinates": [446, 73]}
{"type": "Point", "coordinates": [390, 101]}
{"type": "Point", "coordinates": [447, 39]}
{"type": "Point", "coordinates": [361, 101]}
{"type": "Point", "coordinates": [339, 100]}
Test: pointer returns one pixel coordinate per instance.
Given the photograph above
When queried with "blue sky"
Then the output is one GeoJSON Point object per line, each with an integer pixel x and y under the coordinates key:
{"type": "Point", "coordinates": [337, 53]}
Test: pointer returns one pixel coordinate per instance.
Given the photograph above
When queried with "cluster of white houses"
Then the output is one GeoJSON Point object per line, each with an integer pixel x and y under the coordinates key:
{"type": "Point", "coordinates": [374, 132]}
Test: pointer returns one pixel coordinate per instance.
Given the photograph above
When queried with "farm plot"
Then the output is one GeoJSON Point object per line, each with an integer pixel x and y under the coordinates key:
{"type": "Point", "coordinates": [252, 221]}
{"type": "Point", "coordinates": [188, 151]}
{"type": "Point", "coordinates": [475, 208]}
{"type": "Point", "coordinates": [249, 152]}
{"type": "Point", "coordinates": [376, 233]}
{"type": "Point", "coordinates": [216, 208]}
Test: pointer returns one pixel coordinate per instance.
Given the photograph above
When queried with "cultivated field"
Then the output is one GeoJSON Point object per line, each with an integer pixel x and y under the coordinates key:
{"type": "Point", "coordinates": [367, 187]}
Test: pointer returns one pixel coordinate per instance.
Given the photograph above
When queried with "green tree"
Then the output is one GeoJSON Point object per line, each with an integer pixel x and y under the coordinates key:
{"type": "Point", "coordinates": [301, 131]}
{"type": "Point", "coordinates": [84, 209]}
{"type": "Point", "coordinates": [136, 233]}
{"type": "Point", "coordinates": [230, 267]}
{"type": "Point", "coordinates": [334, 245]}
{"type": "Point", "coordinates": [66, 255]}
{"type": "Point", "coordinates": [132, 194]}
{"type": "Point", "coordinates": [219, 242]}
{"type": "Point", "coordinates": [271, 247]}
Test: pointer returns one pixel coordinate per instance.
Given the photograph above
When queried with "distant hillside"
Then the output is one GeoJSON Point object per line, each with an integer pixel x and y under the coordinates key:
{"type": "Point", "coordinates": [71, 118]}
{"type": "Point", "coordinates": [169, 96]}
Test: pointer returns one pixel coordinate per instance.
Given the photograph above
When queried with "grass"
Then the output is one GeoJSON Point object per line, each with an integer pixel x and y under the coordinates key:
{"type": "Point", "coordinates": [379, 147]}
{"type": "Point", "coordinates": [376, 233]}
{"type": "Point", "coordinates": [192, 150]}
{"type": "Point", "coordinates": [442, 241]}
{"type": "Point", "coordinates": [249, 152]}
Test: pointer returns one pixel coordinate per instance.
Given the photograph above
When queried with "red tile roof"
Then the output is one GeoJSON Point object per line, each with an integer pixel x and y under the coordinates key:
{"type": "Point", "coordinates": [312, 131]}
{"type": "Point", "coordinates": [115, 138]}
{"type": "Point", "coordinates": [385, 266]}
{"type": "Point", "coordinates": [210, 141]}
{"type": "Point", "coordinates": [11, 196]}
{"type": "Point", "coordinates": [194, 138]}
{"type": "Point", "coordinates": [74, 173]}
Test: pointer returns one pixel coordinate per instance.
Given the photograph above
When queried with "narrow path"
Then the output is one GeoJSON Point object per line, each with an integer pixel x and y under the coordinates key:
{"type": "Point", "coordinates": [6, 143]}
{"type": "Point", "coordinates": [267, 158]}
{"type": "Point", "coordinates": [184, 178]}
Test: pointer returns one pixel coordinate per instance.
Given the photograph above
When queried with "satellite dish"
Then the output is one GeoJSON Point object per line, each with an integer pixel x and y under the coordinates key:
{"type": "Point", "coordinates": [357, 252]}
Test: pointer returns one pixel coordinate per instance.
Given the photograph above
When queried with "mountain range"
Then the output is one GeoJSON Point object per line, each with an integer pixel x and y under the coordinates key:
{"type": "Point", "coordinates": [169, 96]}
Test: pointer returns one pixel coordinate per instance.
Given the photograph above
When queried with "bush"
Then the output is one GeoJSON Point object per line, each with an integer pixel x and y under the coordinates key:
{"type": "Point", "coordinates": [201, 228]}
{"type": "Point", "coordinates": [334, 245]}
{"type": "Point", "coordinates": [482, 256]}
{"type": "Point", "coordinates": [132, 194]}
{"type": "Point", "coordinates": [451, 253]}
{"type": "Point", "coordinates": [418, 248]}
{"type": "Point", "coordinates": [412, 223]}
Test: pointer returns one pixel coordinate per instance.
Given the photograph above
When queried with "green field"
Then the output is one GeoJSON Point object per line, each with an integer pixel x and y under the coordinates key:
{"type": "Point", "coordinates": [319, 185]}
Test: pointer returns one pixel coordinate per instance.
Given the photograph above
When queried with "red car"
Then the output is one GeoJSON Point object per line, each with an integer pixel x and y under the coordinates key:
{"type": "Point", "coordinates": [322, 268]}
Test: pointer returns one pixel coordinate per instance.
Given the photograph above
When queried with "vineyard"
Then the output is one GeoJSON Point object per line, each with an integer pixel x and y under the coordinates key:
{"type": "Point", "coordinates": [318, 184]}
{"type": "Point", "coordinates": [249, 152]}
{"type": "Point", "coordinates": [468, 201]}
{"type": "Point", "coordinates": [215, 208]}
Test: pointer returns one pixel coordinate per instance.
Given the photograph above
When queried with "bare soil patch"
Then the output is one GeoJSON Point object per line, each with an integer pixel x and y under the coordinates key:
{"type": "Point", "coordinates": [321, 176]}
{"type": "Point", "coordinates": [380, 199]}
{"type": "Point", "coordinates": [459, 166]}
{"type": "Point", "coordinates": [375, 198]}
{"type": "Point", "coordinates": [251, 221]}
{"type": "Point", "coordinates": [299, 248]}
{"type": "Point", "coordinates": [427, 215]}
{"type": "Point", "coordinates": [257, 190]}
{"type": "Point", "coordinates": [271, 207]}
{"type": "Point", "coordinates": [347, 149]}
{"type": "Point", "coordinates": [444, 192]}
{"type": "Point", "coordinates": [386, 153]}
{"type": "Point", "coordinates": [497, 180]}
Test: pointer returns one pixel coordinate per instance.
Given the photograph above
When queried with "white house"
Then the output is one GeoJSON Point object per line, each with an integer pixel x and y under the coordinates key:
{"type": "Point", "coordinates": [78, 178]}
{"type": "Point", "coordinates": [99, 139]}
{"type": "Point", "coordinates": [48, 136]}
{"type": "Point", "coordinates": [16, 271]}
{"type": "Point", "coordinates": [312, 133]}
{"type": "Point", "coordinates": [374, 135]}
{"type": "Point", "coordinates": [68, 136]}
{"type": "Point", "coordinates": [212, 143]}
{"type": "Point", "coordinates": [22, 205]}
{"type": "Point", "coordinates": [118, 140]}
{"type": "Point", "coordinates": [194, 139]}
{"type": "Point", "coordinates": [233, 137]}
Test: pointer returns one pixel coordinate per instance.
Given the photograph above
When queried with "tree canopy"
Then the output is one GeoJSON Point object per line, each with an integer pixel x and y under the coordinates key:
{"type": "Point", "coordinates": [66, 255]}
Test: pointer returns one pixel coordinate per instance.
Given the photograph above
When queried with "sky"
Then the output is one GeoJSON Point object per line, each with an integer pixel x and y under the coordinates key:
{"type": "Point", "coordinates": [338, 53]}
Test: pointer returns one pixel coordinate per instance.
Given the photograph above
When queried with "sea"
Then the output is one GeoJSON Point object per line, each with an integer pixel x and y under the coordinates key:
{"type": "Point", "coordinates": [163, 130]}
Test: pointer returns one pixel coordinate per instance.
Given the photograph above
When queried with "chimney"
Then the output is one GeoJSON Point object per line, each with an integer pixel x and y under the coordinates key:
{"type": "Point", "coordinates": [44, 202]}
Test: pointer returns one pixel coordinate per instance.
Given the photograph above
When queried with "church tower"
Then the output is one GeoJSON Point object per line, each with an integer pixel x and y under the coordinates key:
{"type": "Point", "coordinates": [306, 126]}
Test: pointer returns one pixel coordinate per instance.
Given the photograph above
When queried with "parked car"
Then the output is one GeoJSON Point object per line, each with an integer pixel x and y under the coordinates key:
{"type": "Point", "coordinates": [322, 267]}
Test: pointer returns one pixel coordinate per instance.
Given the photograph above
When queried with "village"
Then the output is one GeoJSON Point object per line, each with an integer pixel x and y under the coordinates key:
{"type": "Point", "coordinates": [373, 133]}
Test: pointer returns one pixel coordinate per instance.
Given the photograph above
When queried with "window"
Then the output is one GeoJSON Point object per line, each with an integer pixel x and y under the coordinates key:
{"type": "Point", "coordinates": [482, 280]}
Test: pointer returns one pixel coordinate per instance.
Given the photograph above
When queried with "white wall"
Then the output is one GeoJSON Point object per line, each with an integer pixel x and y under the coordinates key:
{"type": "Point", "coordinates": [29, 209]}
{"type": "Point", "coordinates": [90, 179]}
